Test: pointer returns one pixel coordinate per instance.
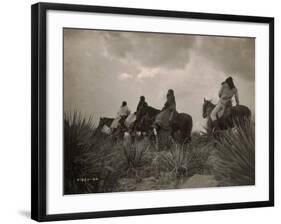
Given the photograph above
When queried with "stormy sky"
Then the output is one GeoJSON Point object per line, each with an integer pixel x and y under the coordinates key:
{"type": "Point", "coordinates": [103, 68]}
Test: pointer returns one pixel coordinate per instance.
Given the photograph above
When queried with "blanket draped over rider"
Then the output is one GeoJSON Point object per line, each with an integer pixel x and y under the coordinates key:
{"type": "Point", "coordinates": [166, 116]}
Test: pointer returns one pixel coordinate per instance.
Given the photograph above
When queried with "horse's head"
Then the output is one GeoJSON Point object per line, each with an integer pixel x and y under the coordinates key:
{"type": "Point", "coordinates": [101, 122]}
{"type": "Point", "coordinates": [207, 106]}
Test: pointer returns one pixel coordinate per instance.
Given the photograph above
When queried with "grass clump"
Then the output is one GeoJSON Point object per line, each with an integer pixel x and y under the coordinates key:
{"type": "Point", "coordinates": [77, 132]}
{"type": "Point", "coordinates": [236, 152]}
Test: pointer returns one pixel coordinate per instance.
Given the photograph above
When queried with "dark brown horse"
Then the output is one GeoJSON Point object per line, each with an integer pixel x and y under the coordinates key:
{"type": "Point", "coordinates": [145, 119]}
{"type": "Point", "coordinates": [233, 115]}
{"type": "Point", "coordinates": [181, 125]}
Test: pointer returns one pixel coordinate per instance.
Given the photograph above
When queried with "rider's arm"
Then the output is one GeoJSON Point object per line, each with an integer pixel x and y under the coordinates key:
{"type": "Point", "coordinates": [138, 107]}
{"type": "Point", "coordinates": [236, 95]}
{"type": "Point", "coordinates": [165, 105]}
{"type": "Point", "coordinates": [220, 91]}
{"type": "Point", "coordinates": [128, 111]}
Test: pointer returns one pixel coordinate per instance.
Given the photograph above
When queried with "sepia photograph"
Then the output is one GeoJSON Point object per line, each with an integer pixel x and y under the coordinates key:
{"type": "Point", "coordinates": [147, 111]}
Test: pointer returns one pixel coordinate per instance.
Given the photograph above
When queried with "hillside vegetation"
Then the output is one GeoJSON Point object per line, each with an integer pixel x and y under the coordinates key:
{"type": "Point", "coordinates": [95, 162]}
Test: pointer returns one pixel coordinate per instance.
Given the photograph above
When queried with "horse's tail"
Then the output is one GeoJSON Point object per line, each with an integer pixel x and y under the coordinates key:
{"type": "Point", "coordinates": [241, 114]}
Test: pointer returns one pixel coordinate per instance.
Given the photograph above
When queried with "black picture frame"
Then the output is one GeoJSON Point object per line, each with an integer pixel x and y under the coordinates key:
{"type": "Point", "coordinates": [39, 107]}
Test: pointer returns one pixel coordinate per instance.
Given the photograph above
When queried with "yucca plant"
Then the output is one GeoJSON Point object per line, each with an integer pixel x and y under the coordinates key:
{"type": "Point", "coordinates": [188, 159]}
{"type": "Point", "coordinates": [236, 152]}
{"type": "Point", "coordinates": [135, 156]}
{"type": "Point", "coordinates": [106, 162]}
{"type": "Point", "coordinates": [174, 161]}
{"type": "Point", "coordinates": [77, 132]}
{"type": "Point", "coordinates": [91, 162]}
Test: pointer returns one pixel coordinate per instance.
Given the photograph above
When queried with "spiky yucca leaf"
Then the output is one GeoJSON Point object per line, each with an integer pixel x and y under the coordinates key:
{"type": "Point", "coordinates": [77, 131]}
{"type": "Point", "coordinates": [185, 160]}
{"type": "Point", "coordinates": [236, 164]}
{"type": "Point", "coordinates": [135, 155]}
{"type": "Point", "coordinates": [90, 155]}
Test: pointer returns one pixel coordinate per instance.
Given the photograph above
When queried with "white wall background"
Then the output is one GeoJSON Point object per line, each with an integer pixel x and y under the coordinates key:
{"type": "Point", "coordinates": [15, 110]}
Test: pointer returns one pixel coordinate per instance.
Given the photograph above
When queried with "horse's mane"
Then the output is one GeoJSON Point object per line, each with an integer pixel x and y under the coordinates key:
{"type": "Point", "coordinates": [211, 104]}
{"type": "Point", "coordinates": [152, 110]}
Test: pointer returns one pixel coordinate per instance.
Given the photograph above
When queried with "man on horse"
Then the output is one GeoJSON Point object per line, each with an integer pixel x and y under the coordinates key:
{"type": "Point", "coordinates": [142, 105]}
{"type": "Point", "coordinates": [167, 115]}
{"type": "Point", "coordinates": [141, 110]}
{"type": "Point", "coordinates": [122, 114]}
{"type": "Point", "coordinates": [226, 92]}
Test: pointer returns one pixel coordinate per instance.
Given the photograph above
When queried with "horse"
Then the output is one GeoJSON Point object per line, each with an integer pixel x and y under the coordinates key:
{"type": "Point", "coordinates": [233, 115]}
{"type": "Point", "coordinates": [145, 119]}
{"type": "Point", "coordinates": [105, 121]}
{"type": "Point", "coordinates": [105, 127]}
{"type": "Point", "coordinates": [181, 124]}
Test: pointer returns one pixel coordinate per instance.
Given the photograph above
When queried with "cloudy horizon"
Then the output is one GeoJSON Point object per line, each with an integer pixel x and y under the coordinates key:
{"type": "Point", "coordinates": [103, 68]}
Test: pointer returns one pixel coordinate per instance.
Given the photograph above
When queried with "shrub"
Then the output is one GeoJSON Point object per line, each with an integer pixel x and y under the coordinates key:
{"type": "Point", "coordinates": [135, 156]}
{"type": "Point", "coordinates": [90, 163]}
{"type": "Point", "coordinates": [183, 160]}
{"type": "Point", "coordinates": [236, 152]}
{"type": "Point", "coordinates": [77, 131]}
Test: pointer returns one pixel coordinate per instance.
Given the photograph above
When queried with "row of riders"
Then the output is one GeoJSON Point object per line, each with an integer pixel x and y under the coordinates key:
{"type": "Point", "coordinates": [147, 119]}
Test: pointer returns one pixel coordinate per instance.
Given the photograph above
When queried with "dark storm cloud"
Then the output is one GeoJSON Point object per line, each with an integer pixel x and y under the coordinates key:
{"type": "Point", "coordinates": [234, 56]}
{"type": "Point", "coordinates": [90, 75]}
{"type": "Point", "coordinates": [151, 50]}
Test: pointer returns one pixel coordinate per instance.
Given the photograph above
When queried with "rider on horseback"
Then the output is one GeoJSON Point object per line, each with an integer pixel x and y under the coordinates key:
{"type": "Point", "coordinates": [122, 114]}
{"type": "Point", "coordinates": [166, 117]}
{"type": "Point", "coordinates": [226, 92]}
{"type": "Point", "coordinates": [170, 105]}
{"type": "Point", "coordinates": [141, 110]}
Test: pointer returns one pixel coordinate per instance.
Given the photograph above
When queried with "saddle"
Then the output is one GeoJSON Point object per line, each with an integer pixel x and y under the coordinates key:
{"type": "Point", "coordinates": [174, 119]}
{"type": "Point", "coordinates": [122, 121]}
{"type": "Point", "coordinates": [227, 109]}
